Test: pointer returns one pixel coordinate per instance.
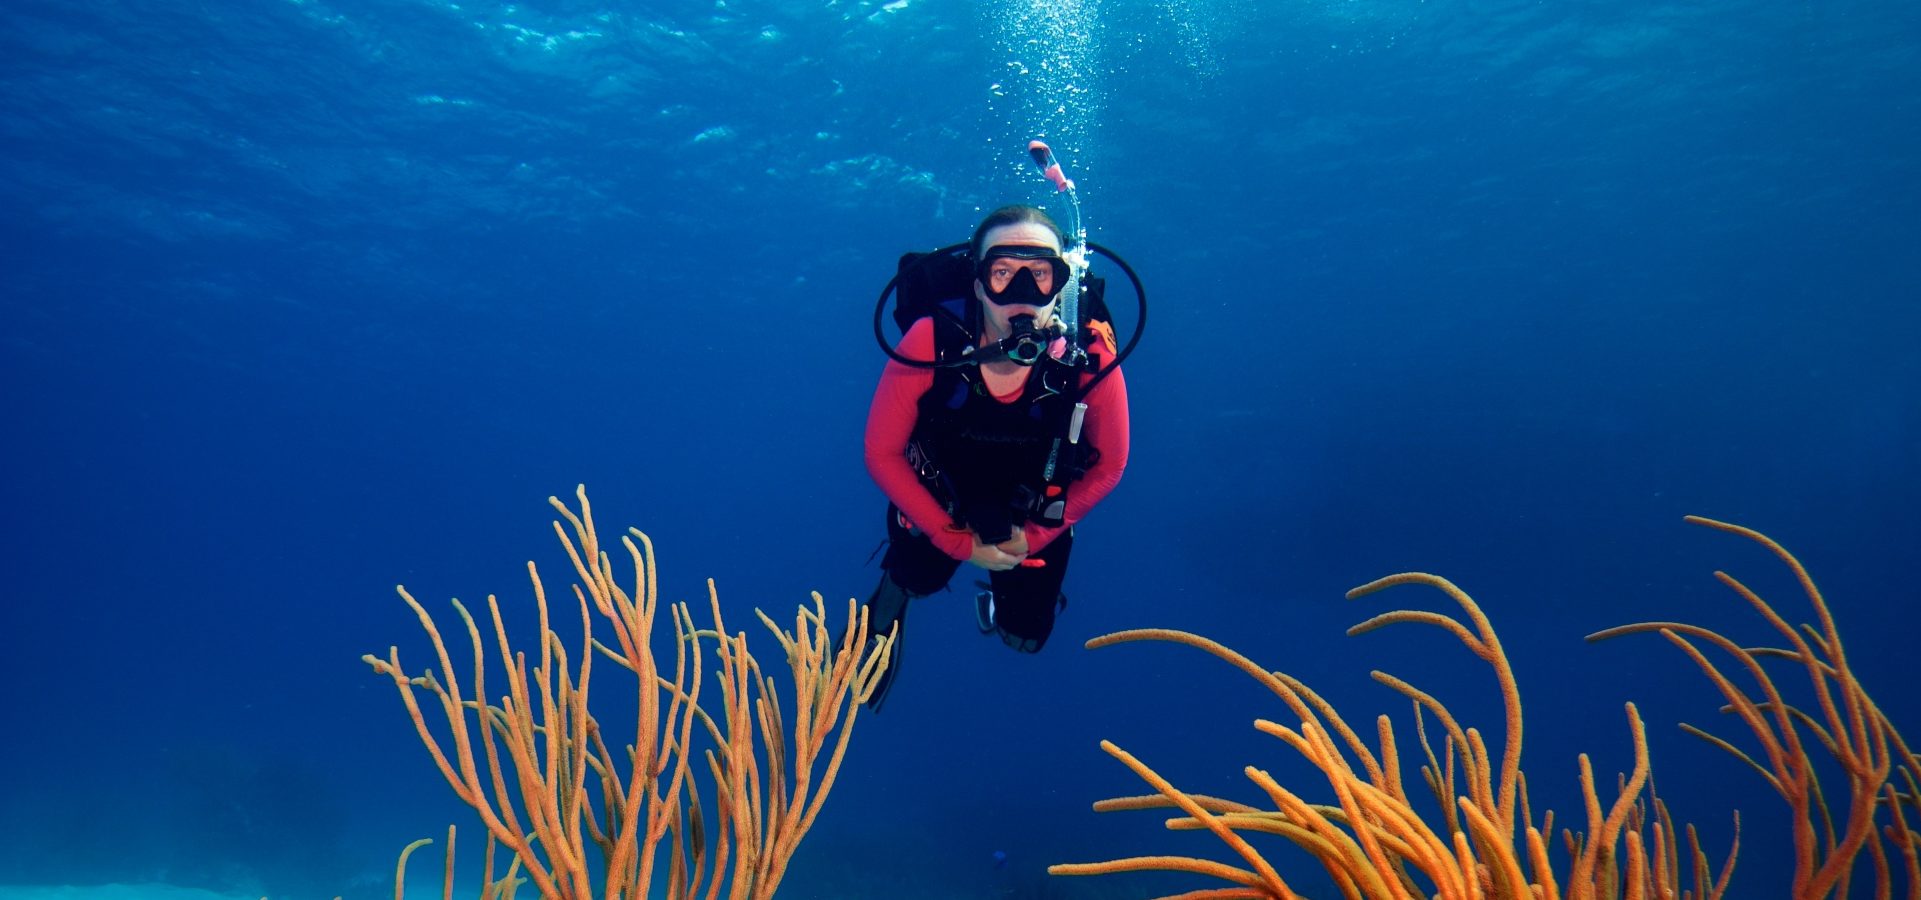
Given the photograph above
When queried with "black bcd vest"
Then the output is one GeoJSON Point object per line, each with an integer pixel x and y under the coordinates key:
{"type": "Point", "coordinates": [985, 459]}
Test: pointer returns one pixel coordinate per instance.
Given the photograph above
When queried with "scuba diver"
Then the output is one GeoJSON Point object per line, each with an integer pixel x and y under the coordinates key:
{"type": "Point", "coordinates": [991, 407]}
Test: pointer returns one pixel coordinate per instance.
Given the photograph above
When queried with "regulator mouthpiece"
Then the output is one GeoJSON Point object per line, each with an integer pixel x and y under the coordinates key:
{"type": "Point", "coordinates": [1027, 343]}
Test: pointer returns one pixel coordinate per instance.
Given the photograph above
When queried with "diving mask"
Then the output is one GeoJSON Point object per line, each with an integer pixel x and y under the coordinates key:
{"type": "Point", "coordinates": [1007, 274]}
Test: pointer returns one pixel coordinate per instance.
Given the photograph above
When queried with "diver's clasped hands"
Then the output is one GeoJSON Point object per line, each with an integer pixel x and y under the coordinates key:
{"type": "Point", "coordinates": [1000, 557]}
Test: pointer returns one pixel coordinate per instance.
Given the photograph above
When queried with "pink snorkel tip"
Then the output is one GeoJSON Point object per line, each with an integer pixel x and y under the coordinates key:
{"type": "Point", "coordinates": [1051, 170]}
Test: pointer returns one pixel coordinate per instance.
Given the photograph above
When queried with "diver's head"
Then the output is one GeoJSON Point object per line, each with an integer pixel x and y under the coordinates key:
{"type": "Point", "coordinates": [1018, 269]}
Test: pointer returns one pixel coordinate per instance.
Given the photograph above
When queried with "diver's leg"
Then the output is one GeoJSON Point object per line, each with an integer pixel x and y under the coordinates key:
{"type": "Point", "coordinates": [913, 567]}
{"type": "Point", "coordinates": [1023, 601]}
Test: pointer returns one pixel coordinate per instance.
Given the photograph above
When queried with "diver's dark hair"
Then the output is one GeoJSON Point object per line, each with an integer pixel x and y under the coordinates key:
{"type": "Point", "coordinates": [1013, 215]}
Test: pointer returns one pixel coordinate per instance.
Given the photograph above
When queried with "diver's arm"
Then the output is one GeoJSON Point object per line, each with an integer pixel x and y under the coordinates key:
{"type": "Point", "coordinates": [890, 424]}
{"type": "Point", "coordinates": [1106, 429]}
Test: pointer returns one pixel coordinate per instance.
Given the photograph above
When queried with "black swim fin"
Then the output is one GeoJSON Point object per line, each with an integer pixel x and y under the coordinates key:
{"type": "Point", "coordinates": [887, 612]}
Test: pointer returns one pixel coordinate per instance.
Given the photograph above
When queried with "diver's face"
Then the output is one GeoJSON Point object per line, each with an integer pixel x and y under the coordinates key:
{"type": "Point", "coordinates": [1019, 234]}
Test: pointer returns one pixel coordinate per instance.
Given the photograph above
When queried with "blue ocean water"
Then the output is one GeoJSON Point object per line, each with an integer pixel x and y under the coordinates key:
{"type": "Point", "coordinates": [304, 299]}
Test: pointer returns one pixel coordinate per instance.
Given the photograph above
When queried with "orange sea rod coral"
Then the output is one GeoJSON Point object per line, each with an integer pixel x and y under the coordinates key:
{"type": "Point", "coordinates": [580, 820]}
{"type": "Point", "coordinates": [1845, 722]}
{"type": "Point", "coordinates": [1373, 843]}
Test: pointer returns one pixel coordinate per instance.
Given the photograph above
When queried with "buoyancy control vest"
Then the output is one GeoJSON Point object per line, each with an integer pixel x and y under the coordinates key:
{"type": "Point", "coordinates": [997, 465]}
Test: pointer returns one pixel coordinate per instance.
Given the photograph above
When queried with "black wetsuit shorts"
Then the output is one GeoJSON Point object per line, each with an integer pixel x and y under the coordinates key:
{"type": "Point", "coordinates": [1026, 598]}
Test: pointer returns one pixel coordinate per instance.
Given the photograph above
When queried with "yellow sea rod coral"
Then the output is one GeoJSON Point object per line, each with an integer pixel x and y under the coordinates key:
{"type": "Point", "coordinates": [1373, 843]}
{"type": "Point", "coordinates": [1845, 722]}
{"type": "Point", "coordinates": [579, 820]}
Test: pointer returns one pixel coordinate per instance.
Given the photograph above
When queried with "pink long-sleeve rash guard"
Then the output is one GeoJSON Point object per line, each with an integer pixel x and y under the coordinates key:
{"type": "Point", "coordinates": [890, 424]}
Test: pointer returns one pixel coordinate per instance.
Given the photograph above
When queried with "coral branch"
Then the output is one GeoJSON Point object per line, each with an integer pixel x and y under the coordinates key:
{"type": "Point", "coordinates": [1374, 844]}
{"type": "Point", "coordinates": [544, 797]}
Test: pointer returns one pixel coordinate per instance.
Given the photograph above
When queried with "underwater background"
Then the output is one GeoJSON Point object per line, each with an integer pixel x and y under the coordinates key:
{"type": "Point", "coordinates": [304, 299]}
